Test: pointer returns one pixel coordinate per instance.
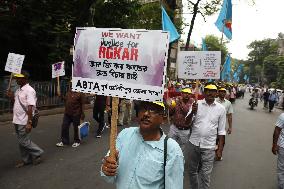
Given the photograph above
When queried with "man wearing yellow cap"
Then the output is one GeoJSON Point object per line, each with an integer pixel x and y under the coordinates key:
{"type": "Point", "coordinates": [229, 111]}
{"type": "Point", "coordinates": [207, 119]}
{"type": "Point", "coordinates": [145, 158]}
{"type": "Point", "coordinates": [228, 106]}
{"type": "Point", "coordinates": [24, 105]}
{"type": "Point", "coordinates": [179, 131]}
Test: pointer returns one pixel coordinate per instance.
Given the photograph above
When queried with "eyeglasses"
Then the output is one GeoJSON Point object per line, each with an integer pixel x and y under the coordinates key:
{"type": "Point", "coordinates": [151, 110]}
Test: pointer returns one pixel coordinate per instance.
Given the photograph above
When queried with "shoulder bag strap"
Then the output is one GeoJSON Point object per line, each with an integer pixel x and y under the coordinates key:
{"type": "Point", "coordinates": [165, 158]}
{"type": "Point", "coordinates": [22, 105]}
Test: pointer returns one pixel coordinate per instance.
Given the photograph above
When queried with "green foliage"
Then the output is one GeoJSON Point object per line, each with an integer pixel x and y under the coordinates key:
{"type": "Point", "coordinates": [213, 44]}
{"type": "Point", "coordinates": [43, 30]}
{"type": "Point", "coordinates": [265, 65]}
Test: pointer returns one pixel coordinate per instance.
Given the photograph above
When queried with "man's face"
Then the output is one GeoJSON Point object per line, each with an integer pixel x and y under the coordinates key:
{"type": "Point", "coordinates": [185, 96]}
{"type": "Point", "coordinates": [150, 117]}
{"type": "Point", "coordinates": [193, 86]}
{"type": "Point", "coordinates": [210, 94]}
{"type": "Point", "coordinates": [20, 80]}
{"type": "Point", "coordinates": [221, 94]}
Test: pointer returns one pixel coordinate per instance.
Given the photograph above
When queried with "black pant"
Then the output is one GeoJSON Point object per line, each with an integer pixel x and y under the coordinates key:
{"type": "Point", "coordinates": [271, 105]}
{"type": "Point", "coordinates": [67, 120]}
{"type": "Point", "coordinates": [98, 115]}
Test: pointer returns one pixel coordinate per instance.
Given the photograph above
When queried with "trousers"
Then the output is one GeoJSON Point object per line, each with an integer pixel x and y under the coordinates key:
{"type": "Point", "coordinates": [200, 165]}
{"type": "Point", "coordinates": [28, 149]}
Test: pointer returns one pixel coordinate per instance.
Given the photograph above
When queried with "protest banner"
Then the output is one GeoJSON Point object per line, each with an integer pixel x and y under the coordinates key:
{"type": "Point", "coordinates": [199, 64]}
{"type": "Point", "coordinates": [120, 63]}
{"type": "Point", "coordinates": [57, 71]}
{"type": "Point", "coordinates": [14, 65]}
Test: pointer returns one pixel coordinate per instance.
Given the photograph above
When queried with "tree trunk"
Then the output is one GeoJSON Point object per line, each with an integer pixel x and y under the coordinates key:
{"type": "Point", "coordinates": [195, 9]}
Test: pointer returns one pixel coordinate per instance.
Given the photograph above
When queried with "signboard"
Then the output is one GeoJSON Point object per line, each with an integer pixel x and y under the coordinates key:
{"type": "Point", "coordinates": [14, 63]}
{"type": "Point", "coordinates": [120, 63]}
{"type": "Point", "coordinates": [58, 69]}
{"type": "Point", "coordinates": [199, 64]}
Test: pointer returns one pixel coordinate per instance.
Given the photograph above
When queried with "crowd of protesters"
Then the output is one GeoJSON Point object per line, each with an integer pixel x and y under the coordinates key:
{"type": "Point", "coordinates": [146, 157]}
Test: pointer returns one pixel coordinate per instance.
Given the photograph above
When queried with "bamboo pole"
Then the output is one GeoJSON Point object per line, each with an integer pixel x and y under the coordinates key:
{"type": "Point", "coordinates": [113, 130]}
{"type": "Point", "coordinates": [58, 86]}
{"type": "Point", "coordinates": [10, 81]}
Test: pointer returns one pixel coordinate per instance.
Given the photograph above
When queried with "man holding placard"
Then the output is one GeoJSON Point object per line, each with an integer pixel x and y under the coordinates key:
{"type": "Point", "coordinates": [145, 158]}
{"type": "Point", "coordinates": [24, 105]}
{"type": "Point", "coordinates": [74, 112]}
{"type": "Point", "coordinates": [207, 119]}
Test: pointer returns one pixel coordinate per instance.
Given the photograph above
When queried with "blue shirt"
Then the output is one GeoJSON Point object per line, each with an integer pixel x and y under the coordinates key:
{"type": "Point", "coordinates": [141, 163]}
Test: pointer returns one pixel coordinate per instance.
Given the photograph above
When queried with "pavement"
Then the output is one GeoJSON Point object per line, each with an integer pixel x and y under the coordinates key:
{"type": "Point", "coordinates": [248, 162]}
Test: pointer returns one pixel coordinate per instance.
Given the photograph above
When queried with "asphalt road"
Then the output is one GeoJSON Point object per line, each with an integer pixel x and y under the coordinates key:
{"type": "Point", "coordinates": [248, 162]}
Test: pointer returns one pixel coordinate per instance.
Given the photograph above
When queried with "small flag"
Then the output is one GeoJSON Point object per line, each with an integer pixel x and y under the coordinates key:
{"type": "Point", "coordinates": [224, 21]}
{"type": "Point", "coordinates": [226, 72]}
{"type": "Point", "coordinates": [169, 26]}
{"type": "Point", "coordinates": [204, 47]}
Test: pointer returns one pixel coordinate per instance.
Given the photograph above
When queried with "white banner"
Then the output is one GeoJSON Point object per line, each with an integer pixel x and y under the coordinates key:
{"type": "Point", "coordinates": [58, 69]}
{"type": "Point", "coordinates": [199, 64]}
{"type": "Point", "coordinates": [120, 63]}
{"type": "Point", "coordinates": [14, 63]}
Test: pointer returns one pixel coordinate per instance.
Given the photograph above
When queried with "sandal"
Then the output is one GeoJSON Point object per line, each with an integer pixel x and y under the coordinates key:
{"type": "Point", "coordinates": [21, 164]}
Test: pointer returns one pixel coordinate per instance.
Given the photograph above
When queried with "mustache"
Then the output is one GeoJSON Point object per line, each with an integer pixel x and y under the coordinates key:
{"type": "Point", "coordinates": [145, 119]}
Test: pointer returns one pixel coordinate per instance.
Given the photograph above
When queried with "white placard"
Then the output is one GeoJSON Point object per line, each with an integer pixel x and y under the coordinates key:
{"type": "Point", "coordinates": [58, 69]}
{"type": "Point", "coordinates": [121, 63]}
{"type": "Point", "coordinates": [199, 64]}
{"type": "Point", "coordinates": [14, 63]}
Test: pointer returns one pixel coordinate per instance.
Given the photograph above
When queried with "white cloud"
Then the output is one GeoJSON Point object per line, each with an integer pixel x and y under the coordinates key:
{"type": "Point", "coordinates": [263, 20]}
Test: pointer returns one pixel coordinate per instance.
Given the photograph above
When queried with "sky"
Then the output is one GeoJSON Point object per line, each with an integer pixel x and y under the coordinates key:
{"type": "Point", "coordinates": [250, 22]}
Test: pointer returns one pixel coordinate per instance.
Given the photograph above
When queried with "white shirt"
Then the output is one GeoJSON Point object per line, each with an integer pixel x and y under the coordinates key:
{"type": "Point", "coordinates": [209, 120]}
{"type": "Point", "coordinates": [280, 123]}
{"type": "Point", "coordinates": [27, 96]}
{"type": "Point", "coordinates": [227, 104]}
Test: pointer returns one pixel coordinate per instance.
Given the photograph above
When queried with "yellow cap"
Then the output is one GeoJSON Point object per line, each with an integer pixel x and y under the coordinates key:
{"type": "Point", "coordinates": [19, 75]}
{"type": "Point", "coordinates": [211, 87]}
{"type": "Point", "coordinates": [174, 103]}
{"type": "Point", "coordinates": [160, 104]}
{"type": "Point", "coordinates": [178, 84]}
{"type": "Point", "coordinates": [222, 89]}
{"type": "Point", "coordinates": [186, 90]}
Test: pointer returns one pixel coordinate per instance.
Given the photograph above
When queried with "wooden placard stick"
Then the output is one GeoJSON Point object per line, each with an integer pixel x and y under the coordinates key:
{"type": "Point", "coordinates": [113, 130]}
{"type": "Point", "coordinates": [10, 81]}
{"type": "Point", "coordinates": [197, 90]}
{"type": "Point", "coordinates": [58, 86]}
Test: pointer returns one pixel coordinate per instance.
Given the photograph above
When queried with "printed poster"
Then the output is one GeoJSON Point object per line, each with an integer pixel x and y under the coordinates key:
{"type": "Point", "coordinates": [14, 63]}
{"type": "Point", "coordinates": [120, 62]}
{"type": "Point", "coordinates": [199, 64]}
{"type": "Point", "coordinates": [58, 69]}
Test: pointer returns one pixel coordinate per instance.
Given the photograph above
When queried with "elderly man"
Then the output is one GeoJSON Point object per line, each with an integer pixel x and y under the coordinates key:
{"type": "Point", "coordinates": [24, 105]}
{"type": "Point", "coordinates": [141, 154]}
{"type": "Point", "coordinates": [207, 119]}
{"type": "Point", "coordinates": [179, 131]}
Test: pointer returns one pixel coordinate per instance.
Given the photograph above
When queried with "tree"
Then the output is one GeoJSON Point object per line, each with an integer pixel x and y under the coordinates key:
{"type": "Point", "coordinates": [203, 7]}
{"type": "Point", "coordinates": [261, 50]}
{"type": "Point", "coordinates": [213, 44]}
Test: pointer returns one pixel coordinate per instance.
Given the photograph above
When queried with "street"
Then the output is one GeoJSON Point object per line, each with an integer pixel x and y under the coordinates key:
{"type": "Point", "coordinates": [247, 159]}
